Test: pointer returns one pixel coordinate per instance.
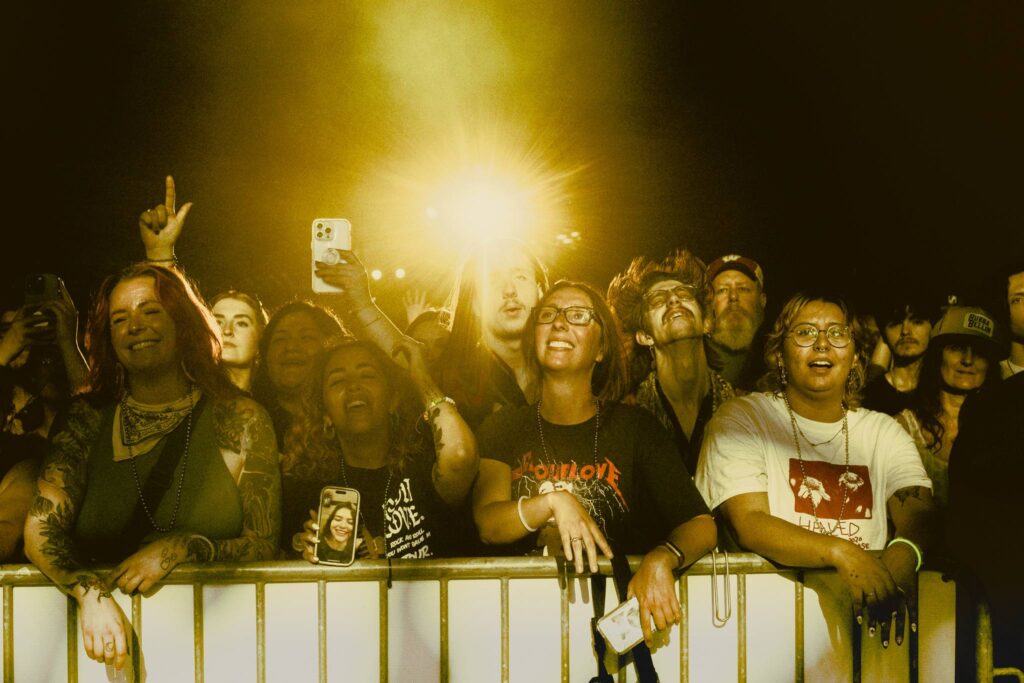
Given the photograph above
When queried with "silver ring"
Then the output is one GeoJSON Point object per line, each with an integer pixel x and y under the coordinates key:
{"type": "Point", "coordinates": [574, 539]}
{"type": "Point", "coordinates": [108, 647]}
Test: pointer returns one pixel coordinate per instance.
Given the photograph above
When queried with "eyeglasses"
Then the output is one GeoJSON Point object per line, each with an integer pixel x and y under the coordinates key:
{"type": "Point", "coordinates": [659, 298]}
{"type": "Point", "coordinates": [574, 315]}
{"type": "Point", "coordinates": [807, 334]}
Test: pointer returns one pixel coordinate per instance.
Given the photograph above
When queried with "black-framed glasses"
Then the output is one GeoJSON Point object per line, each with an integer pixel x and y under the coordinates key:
{"type": "Point", "coordinates": [807, 334]}
{"type": "Point", "coordinates": [574, 315]}
{"type": "Point", "coordinates": [660, 297]}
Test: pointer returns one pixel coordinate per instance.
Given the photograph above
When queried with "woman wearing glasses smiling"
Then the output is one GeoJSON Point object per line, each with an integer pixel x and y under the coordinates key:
{"type": "Point", "coordinates": [807, 479]}
{"type": "Point", "coordinates": [579, 474]}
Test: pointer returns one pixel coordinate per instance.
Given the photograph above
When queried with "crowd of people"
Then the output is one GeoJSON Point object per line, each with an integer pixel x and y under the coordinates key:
{"type": "Point", "coordinates": [661, 416]}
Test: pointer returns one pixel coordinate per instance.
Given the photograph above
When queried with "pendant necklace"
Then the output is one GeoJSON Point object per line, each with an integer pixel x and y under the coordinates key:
{"type": "Point", "coordinates": [184, 463]}
{"type": "Point", "coordinates": [843, 478]}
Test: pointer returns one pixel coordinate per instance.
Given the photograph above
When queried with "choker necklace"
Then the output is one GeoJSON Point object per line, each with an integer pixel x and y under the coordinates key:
{"type": "Point", "coordinates": [383, 508]}
{"type": "Point", "coordinates": [597, 428]}
{"type": "Point", "coordinates": [184, 464]}
{"type": "Point", "coordinates": [843, 478]}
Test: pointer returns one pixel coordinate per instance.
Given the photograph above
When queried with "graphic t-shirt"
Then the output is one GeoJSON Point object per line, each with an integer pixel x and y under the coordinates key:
{"type": "Point", "coordinates": [749, 448]}
{"type": "Point", "coordinates": [635, 486]}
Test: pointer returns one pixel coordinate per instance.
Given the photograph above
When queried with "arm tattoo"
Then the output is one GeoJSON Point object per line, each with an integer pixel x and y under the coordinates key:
{"type": "Point", "coordinates": [247, 426]}
{"type": "Point", "coordinates": [232, 419]}
{"type": "Point", "coordinates": [903, 495]}
{"type": "Point", "coordinates": [55, 529]}
{"type": "Point", "coordinates": [89, 582]}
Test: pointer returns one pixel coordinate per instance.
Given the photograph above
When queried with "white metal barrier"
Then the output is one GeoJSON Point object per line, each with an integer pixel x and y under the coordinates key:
{"type": "Point", "coordinates": [475, 620]}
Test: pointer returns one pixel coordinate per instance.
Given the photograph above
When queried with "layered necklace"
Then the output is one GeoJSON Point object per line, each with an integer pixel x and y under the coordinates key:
{"type": "Point", "coordinates": [382, 548]}
{"type": "Point", "coordinates": [843, 478]}
{"type": "Point", "coordinates": [597, 429]}
{"type": "Point", "coordinates": [130, 415]}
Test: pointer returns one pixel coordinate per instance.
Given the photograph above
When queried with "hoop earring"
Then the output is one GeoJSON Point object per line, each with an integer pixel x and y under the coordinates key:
{"type": "Point", "coordinates": [187, 374]}
{"type": "Point", "coordinates": [328, 428]}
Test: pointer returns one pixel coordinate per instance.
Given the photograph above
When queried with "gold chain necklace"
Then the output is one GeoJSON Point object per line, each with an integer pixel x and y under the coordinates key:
{"type": "Point", "coordinates": [803, 473]}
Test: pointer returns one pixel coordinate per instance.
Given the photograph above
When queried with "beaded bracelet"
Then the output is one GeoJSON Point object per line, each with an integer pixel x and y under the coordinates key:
{"type": "Point", "coordinates": [436, 402]}
{"type": "Point", "coordinates": [913, 546]}
{"type": "Point", "coordinates": [522, 517]}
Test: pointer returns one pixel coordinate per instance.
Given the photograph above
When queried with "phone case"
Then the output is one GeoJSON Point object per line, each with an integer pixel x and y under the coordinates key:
{"type": "Point", "coordinates": [328, 235]}
{"type": "Point", "coordinates": [337, 502]}
{"type": "Point", "coordinates": [621, 626]}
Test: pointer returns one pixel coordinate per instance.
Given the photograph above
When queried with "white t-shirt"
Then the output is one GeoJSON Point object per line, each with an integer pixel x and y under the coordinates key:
{"type": "Point", "coordinates": [748, 448]}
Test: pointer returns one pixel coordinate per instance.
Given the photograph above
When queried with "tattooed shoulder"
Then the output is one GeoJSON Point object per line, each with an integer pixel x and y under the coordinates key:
{"type": "Point", "coordinates": [231, 419]}
{"type": "Point", "coordinates": [903, 495]}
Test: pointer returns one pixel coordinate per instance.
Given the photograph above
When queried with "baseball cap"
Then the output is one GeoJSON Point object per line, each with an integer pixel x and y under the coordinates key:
{"type": "Point", "coordinates": [748, 267]}
{"type": "Point", "coordinates": [972, 324]}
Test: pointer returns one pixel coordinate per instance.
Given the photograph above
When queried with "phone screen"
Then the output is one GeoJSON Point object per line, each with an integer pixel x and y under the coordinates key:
{"type": "Point", "coordinates": [338, 520]}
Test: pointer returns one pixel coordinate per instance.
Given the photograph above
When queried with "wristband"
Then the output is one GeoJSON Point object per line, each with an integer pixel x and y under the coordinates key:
{"type": "Point", "coordinates": [213, 548]}
{"type": "Point", "coordinates": [913, 546]}
{"type": "Point", "coordinates": [436, 402]}
{"type": "Point", "coordinates": [674, 549]}
{"type": "Point", "coordinates": [522, 517]}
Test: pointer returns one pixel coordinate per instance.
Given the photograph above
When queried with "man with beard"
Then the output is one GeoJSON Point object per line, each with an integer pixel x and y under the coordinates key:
{"type": "Point", "coordinates": [662, 306]}
{"type": "Point", "coordinates": [1015, 299]}
{"type": "Point", "coordinates": [906, 329]}
{"type": "Point", "coordinates": [734, 347]}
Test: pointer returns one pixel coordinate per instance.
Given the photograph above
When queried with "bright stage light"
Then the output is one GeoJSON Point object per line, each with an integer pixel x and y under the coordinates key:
{"type": "Point", "coordinates": [376, 274]}
{"type": "Point", "coordinates": [400, 273]}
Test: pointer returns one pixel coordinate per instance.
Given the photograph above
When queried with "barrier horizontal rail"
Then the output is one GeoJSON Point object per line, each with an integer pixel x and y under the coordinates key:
{"type": "Point", "coordinates": [240, 618]}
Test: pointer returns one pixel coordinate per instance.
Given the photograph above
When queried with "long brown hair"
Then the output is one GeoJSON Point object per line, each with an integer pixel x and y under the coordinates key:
{"type": "Point", "coordinates": [196, 333]}
{"type": "Point", "coordinates": [610, 380]}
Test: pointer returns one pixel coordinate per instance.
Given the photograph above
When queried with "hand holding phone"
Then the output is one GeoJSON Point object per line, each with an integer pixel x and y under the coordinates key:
{"type": "Point", "coordinates": [330, 235]}
{"type": "Point", "coordinates": [621, 627]}
{"type": "Point", "coordinates": [338, 522]}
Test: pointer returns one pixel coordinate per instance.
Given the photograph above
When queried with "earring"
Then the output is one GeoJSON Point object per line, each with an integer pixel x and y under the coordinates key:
{"type": "Point", "coordinates": [119, 377]}
{"type": "Point", "coordinates": [187, 374]}
{"type": "Point", "coordinates": [328, 428]}
{"type": "Point", "coordinates": [783, 380]}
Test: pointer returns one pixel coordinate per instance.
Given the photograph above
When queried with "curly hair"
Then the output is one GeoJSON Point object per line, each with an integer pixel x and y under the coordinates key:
{"type": "Point", "coordinates": [627, 289]}
{"type": "Point", "coordinates": [403, 437]}
{"type": "Point", "coordinates": [297, 433]}
{"type": "Point", "coordinates": [196, 333]}
{"type": "Point", "coordinates": [772, 382]}
{"type": "Point", "coordinates": [610, 380]}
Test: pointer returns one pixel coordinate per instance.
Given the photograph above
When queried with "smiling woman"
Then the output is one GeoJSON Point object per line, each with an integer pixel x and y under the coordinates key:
{"type": "Point", "coordinates": [162, 462]}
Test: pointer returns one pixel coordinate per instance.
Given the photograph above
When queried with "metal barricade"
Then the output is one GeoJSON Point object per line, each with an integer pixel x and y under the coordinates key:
{"type": "Point", "coordinates": [486, 619]}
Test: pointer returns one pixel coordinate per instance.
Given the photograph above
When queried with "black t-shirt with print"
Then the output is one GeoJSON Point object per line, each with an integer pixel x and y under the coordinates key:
{"type": "Point", "coordinates": [636, 488]}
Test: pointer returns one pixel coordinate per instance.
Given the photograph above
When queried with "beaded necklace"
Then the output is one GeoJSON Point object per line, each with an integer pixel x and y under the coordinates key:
{"type": "Point", "coordinates": [597, 428]}
{"type": "Point", "coordinates": [803, 473]}
{"type": "Point", "coordinates": [184, 464]}
{"type": "Point", "coordinates": [383, 507]}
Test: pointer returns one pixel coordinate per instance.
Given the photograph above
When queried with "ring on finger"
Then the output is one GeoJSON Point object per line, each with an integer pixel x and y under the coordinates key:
{"type": "Point", "coordinates": [108, 647]}
{"type": "Point", "coordinates": [576, 539]}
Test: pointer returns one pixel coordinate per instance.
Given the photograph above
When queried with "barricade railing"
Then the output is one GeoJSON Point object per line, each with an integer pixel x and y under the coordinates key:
{"type": "Point", "coordinates": [480, 620]}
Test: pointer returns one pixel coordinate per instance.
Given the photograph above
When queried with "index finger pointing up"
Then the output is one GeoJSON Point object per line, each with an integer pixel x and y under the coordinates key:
{"type": "Point", "coordinates": [169, 199]}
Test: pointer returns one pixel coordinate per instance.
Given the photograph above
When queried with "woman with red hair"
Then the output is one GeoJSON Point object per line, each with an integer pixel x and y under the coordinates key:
{"type": "Point", "coordinates": [162, 461]}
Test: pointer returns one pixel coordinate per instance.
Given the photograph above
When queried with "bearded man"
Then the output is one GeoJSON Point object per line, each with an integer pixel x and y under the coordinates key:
{"type": "Point", "coordinates": [738, 300]}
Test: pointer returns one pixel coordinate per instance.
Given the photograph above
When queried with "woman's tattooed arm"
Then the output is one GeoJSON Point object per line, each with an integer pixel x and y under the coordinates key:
{"type": "Point", "coordinates": [244, 427]}
{"type": "Point", "coordinates": [61, 488]}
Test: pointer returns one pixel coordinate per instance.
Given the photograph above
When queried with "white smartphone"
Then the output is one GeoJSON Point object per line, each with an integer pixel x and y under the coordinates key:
{"type": "Point", "coordinates": [621, 626]}
{"type": "Point", "coordinates": [329, 235]}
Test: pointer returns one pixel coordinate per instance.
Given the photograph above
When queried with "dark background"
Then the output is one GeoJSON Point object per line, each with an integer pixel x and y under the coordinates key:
{"type": "Point", "coordinates": [874, 145]}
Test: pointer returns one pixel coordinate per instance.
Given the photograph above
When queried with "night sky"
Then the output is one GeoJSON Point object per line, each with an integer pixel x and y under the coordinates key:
{"type": "Point", "coordinates": [868, 145]}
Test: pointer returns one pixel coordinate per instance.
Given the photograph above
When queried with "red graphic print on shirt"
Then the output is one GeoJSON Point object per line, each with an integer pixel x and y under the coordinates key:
{"type": "Point", "coordinates": [822, 491]}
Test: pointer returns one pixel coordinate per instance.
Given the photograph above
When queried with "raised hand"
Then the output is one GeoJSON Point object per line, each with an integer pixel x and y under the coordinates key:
{"type": "Point", "coordinates": [161, 226]}
{"type": "Point", "coordinates": [415, 302]}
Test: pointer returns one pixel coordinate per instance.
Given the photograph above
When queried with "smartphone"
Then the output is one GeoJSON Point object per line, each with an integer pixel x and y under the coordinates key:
{"type": "Point", "coordinates": [621, 626]}
{"type": "Point", "coordinates": [338, 519]}
{"type": "Point", "coordinates": [329, 235]}
{"type": "Point", "coordinates": [42, 287]}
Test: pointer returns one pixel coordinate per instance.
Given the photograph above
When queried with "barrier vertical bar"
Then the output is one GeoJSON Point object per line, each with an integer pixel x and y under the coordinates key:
{"type": "Point", "coordinates": [444, 629]}
{"type": "Point", "coordinates": [383, 587]}
{"type": "Point", "coordinates": [504, 629]}
{"type": "Point", "coordinates": [197, 630]}
{"type": "Point", "coordinates": [72, 630]}
{"type": "Point", "coordinates": [261, 632]}
{"type": "Point", "coordinates": [741, 627]}
{"type": "Point", "coordinates": [8, 633]}
{"type": "Point", "coordinates": [564, 618]}
{"type": "Point", "coordinates": [983, 644]}
{"type": "Point", "coordinates": [684, 630]}
{"type": "Point", "coordinates": [798, 637]}
{"type": "Point", "coordinates": [321, 628]}
{"type": "Point", "coordinates": [135, 638]}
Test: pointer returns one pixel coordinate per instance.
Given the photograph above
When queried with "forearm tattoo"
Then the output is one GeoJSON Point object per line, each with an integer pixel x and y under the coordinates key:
{"type": "Point", "coordinates": [89, 583]}
{"type": "Point", "coordinates": [247, 428]}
